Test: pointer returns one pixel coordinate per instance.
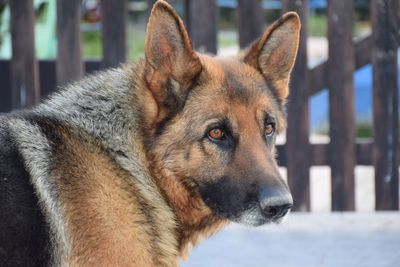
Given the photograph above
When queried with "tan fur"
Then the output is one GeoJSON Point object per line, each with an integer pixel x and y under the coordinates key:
{"type": "Point", "coordinates": [195, 219]}
{"type": "Point", "coordinates": [104, 210]}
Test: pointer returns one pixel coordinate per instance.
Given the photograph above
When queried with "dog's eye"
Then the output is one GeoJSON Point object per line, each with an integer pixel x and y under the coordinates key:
{"type": "Point", "coordinates": [269, 129]}
{"type": "Point", "coordinates": [216, 134]}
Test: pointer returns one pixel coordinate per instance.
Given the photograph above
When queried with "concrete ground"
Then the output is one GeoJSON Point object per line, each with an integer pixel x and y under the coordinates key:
{"type": "Point", "coordinates": [306, 240]}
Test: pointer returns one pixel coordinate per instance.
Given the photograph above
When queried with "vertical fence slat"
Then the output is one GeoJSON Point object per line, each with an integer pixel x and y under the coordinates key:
{"type": "Point", "coordinates": [250, 18]}
{"type": "Point", "coordinates": [385, 103]}
{"type": "Point", "coordinates": [69, 61]}
{"type": "Point", "coordinates": [24, 67]}
{"type": "Point", "coordinates": [297, 144]}
{"type": "Point", "coordinates": [5, 89]}
{"type": "Point", "coordinates": [341, 103]}
{"type": "Point", "coordinates": [114, 15]}
{"type": "Point", "coordinates": [203, 25]}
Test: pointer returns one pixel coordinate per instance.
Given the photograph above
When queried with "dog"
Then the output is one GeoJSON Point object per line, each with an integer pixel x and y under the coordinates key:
{"type": "Point", "coordinates": [134, 165]}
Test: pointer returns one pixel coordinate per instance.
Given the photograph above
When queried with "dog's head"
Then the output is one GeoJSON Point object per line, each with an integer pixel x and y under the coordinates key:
{"type": "Point", "coordinates": [212, 122]}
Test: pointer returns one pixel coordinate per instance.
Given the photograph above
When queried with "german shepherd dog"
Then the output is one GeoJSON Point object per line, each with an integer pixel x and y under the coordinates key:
{"type": "Point", "coordinates": [133, 165]}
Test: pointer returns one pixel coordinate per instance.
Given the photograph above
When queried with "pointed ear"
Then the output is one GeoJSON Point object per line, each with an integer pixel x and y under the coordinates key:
{"type": "Point", "coordinates": [275, 52]}
{"type": "Point", "coordinates": [171, 62]}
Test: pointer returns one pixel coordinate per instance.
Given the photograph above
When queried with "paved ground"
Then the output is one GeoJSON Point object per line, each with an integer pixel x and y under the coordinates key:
{"type": "Point", "coordinates": [306, 240]}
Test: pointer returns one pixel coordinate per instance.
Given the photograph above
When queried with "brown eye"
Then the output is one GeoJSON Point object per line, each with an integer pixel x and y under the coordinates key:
{"type": "Point", "coordinates": [269, 129]}
{"type": "Point", "coordinates": [216, 134]}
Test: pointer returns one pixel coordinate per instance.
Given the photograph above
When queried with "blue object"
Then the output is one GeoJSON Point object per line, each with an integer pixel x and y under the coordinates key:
{"type": "Point", "coordinates": [319, 104]}
{"type": "Point", "coordinates": [274, 4]}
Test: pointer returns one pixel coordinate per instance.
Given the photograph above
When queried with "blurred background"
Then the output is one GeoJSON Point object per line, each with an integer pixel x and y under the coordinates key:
{"type": "Point", "coordinates": [340, 152]}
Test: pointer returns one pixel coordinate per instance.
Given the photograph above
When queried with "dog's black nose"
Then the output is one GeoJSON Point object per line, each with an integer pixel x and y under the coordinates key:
{"type": "Point", "coordinates": [275, 203]}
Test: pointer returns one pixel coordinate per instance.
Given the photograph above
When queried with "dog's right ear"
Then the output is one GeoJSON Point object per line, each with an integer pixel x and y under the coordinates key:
{"type": "Point", "coordinates": [171, 62]}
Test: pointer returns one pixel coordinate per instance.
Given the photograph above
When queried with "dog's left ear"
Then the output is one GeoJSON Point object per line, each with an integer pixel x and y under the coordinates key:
{"type": "Point", "coordinates": [275, 52]}
{"type": "Point", "coordinates": [171, 62]}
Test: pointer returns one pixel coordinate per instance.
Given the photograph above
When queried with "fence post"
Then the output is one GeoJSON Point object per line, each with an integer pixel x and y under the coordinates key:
{"type": "Point", "coordinates": [5, 89]}
{"type": "Point", "coordinates": [24, 67]}
{"type": "Point", "coordinates": [341, 103]}
{"type": "Point", "coordinates": [114, 19]}
{"type": "Point", "coordinates": [203, 25]}
{"type": "Point", "coordinates": [69, 61]}
{"type": "Point", "coordinates": [297, 144]}
{"type": "Point", "coordinates": [251, 24]}
{"type": "Point", "coordinates": [385, 103]}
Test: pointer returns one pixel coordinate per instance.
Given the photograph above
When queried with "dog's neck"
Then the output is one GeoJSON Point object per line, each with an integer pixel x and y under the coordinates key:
{"type": "Point", "coordinates": [195, 221]}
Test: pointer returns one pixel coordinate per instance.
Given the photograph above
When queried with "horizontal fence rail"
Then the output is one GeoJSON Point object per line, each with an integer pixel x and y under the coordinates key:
{"type": "Point", "coordinates": [21, 76]}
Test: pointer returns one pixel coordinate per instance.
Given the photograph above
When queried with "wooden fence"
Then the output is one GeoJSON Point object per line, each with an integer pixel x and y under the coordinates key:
{"type": "Point", "coordinates": [24, 74]}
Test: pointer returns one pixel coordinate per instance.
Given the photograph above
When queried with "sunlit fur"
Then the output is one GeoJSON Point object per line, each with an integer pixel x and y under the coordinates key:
{"type": "Point", "coordinates": [120, 162]}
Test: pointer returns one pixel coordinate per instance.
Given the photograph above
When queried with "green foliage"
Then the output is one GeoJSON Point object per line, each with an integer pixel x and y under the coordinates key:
{"type": "Point", "coordinates": [92, 44]}
{"type": "Point", "coordinates": [136, 39]}
{"type": "Point", "coordinates": [317, 25]}
{"type": "Point", "coordinates": [364, 130]}
{"type": "Point", "coordinates": [227, 39]}
{"type": "Point", "coordinates": [227, 19]}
